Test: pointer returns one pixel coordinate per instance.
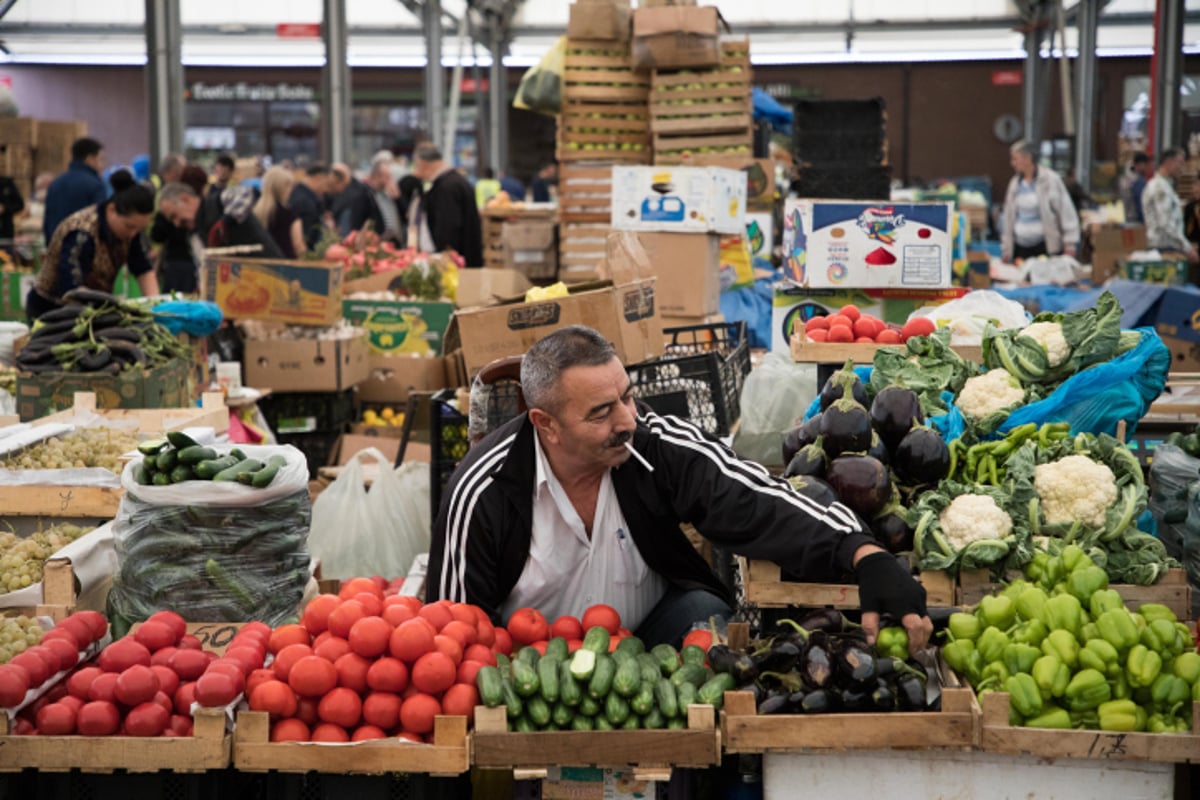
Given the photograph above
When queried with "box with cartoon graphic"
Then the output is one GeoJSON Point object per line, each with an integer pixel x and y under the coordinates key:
{"type": "Point", "coordinates": [401, 326]}
{"type": "Point", "coordinates": [297, 292]}
{"type": "Point", "coordinates": [838, 244]}
{"type": "Point", "coordinates": [679, 199]}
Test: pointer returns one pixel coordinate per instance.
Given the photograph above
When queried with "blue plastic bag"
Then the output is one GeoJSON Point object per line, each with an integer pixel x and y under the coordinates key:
{"type": "Point", "coordinates": [194, 317]}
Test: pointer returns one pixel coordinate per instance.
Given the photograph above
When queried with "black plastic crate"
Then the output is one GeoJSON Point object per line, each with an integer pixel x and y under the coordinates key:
{"type": "Point", "coordinates": [700, 376]}
{"type": "Point", "coordinates": [316, 447]}
{"type": "Point", "coordinates": [448, 445]}
{"type": "Point", "coordinates": [839, 115]}
{"type": "Point", "coordinates": [308, 412]}
{"type": "Point", "coordinates": [834, 183]}
{"type": "Point", "coordinates": [861, 148]}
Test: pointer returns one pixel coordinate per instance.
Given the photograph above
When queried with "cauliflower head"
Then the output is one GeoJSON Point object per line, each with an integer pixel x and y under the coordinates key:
{"type": "Point", "coordinates": [1075, 488]}
{"type": "Point", "coordinates": [985, 394]}
{"type": "Point", "coordinates": [1050, 336]}
{"type": "Point", "coordinates": [971, 517]}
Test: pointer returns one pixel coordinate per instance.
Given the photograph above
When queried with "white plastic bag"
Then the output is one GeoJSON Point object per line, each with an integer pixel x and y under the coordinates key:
{"type": "Point", "coordinates": [967, 316]}
{"type": "Point", "coordinates": [774, 397]}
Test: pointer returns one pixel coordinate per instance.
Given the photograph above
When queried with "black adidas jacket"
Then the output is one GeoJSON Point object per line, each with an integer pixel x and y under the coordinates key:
{"type": "Point", "coordinates": [482, 535]}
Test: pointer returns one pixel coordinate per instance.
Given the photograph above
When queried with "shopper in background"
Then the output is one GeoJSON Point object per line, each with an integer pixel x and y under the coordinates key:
{"type": "Point", "coordinates": [448, 207]}
{"type": "Point", "coordinates": [384, 195]}
{"type": "Point", "coordinates": [178, 205]}
{"type": "Point", "coordinates": [1191, 214]}
{"type": "Point", "coordinates": [210, 208]}
{"type": "Point", "coordinates": [170, 170]}
{"type": "Point", "coordinates": [487, 187]}
{"type": "Point", "coordinates": [89, 247]}
{"type": "Point", "coordinates": [1143, 171]}
{"type": "Point", "coordinates": [308, 204]}
{"type": "Point", "coordinates": [1164, 213]}
{"type": "Point", "coordinates": [11, 204]}
{"type": "Point", "coordinates": [411, 190]}
{"type": "Point", "coordinates": [77, 188]}
{"type": "Point", "coordinates": [353, 203]}
{"type": "Point", "coordinates": [579, 500]}
{"type": "Point", "coordinates": [238, 227]}
{"type": "Point", "coordinates": [540, 187]}
{"type": "Point", "coordinates": [273, 212]}
{"type": "Point", "coordinates": [513, 187]}
{"type": "Point", "coordinates": [1039, 217]}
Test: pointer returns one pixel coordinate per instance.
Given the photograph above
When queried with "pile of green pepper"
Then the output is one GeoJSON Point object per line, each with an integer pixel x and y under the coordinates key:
{"type": "Point", "coordinates": [1071, 655]}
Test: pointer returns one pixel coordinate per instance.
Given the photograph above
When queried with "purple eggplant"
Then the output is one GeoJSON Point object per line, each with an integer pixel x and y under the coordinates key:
{"type": "Point", "coordinates": [813, 488]}
{"type": "Point", "coordinates": [893, 532]}
{"type": "Point", "coordinates": [878, 449]}
{"type": "Point", "coordinates": [861, 482]}
{"type": "Point", "coordinates": [800, 436]}
{"type": "Point", "coordinates": [841, 382]}
{"type": "Point", "coordinates": [894, 411]}
{"type": "Point", "coordinates": [921, 458]}
{"type": "Point", "coordinates": [845, 428]}
{"type": "Point", "coordinates": [811, 460]}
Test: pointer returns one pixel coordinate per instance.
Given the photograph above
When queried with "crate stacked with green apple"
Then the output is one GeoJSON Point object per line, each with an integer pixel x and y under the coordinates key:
{"type": "Point", "coordinates": [703, 111]}
{"type": "Point", "coordinates": [603, 105]}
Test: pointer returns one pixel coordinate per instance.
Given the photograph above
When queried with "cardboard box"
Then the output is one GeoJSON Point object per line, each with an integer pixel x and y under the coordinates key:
{"type": "Point", "coordinates": [844, 243]}
{"type": "Point", "coordinates": [391, 379]}
{"type": "Point", "coordinates": [679, 199]}
{"type": "Point", "coordinates": [1110, 244]}
{"type": "Point", "coordinates": [1167, 271]}
{"type": "Point", "coordinates": [298, 292]}
{"type": "Point", "coordinates": [676, 37]}
{"type": "Point", "coordinates": [624, 309]}
{"type": "Point", "coordinates": [688, 267]}
{"type": "Point", "coordinates": [165, 386]}
{"type": "Point", "coordinates": [307, 365]}
{"type": "Point", "coordinates": [760, 235]}
{"type": "Point", "coordinates": [401, 326]}
{"type": "Point", "coordinates": [531, 248]}
{"type": "Point", "coordinates": [1178, 314]}
{"type": "Point", "coordinates": [600, 20]}
{"type": "Point", "coordinates": [1185, 354]}
{"type": "Point", "coordinates": [760, 177]}
{"type": "Point", "coordinates": [487, 286]}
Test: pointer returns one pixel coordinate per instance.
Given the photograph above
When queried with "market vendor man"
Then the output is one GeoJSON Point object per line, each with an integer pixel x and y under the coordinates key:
{"type": "Point", "coordinates": [579, 501]}
{"type": "Point", "coordinates": [89, 247]}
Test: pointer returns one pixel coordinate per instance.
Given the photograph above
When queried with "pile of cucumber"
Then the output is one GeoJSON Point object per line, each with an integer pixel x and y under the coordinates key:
{"type": "Point", "coordinates": [594, 690]}
{"type": "Point", "coordinates": [178, 458]}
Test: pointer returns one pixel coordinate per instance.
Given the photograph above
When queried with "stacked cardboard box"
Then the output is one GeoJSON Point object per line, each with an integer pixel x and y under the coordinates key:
{"type": "Point", "coordinates": [30, 146]}
{"type": "Point", "coordinates": [521, 238]}
{"type": "Point", "coordinates": [703, 111]}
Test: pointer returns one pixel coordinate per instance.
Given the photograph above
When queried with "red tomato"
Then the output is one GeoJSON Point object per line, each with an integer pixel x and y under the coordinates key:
{"type": "Point", "coordinates": [381, 709]}
{"type": "Point", "coordinates": [864, 340]}
{"type": "Point", "coordinates": [527, 625]}
{"type": "Point", "coordinates": [603, 616]}
{"type": "Point", "coordinates": [478, 652]}
{"type": "Point", "coordinates": [216, 690]}
{"type": "Point", "coordinates": [372, 604]}
{"type": "Point", "coordinates": [78, 629]}
{"type": "Point", "coordinates": [57, 692]}
{"type": "Point", "coordinates": [449, 646]}
{"type": "Point", "coordinates": [917, 326]}
{"type": "Point", "coordinates": [231, 668]}
{"type": "Point", "coordinates": [287, 658]}
{"type": "Point", "coordinates": [168, 681]}
{"type": "Point", "coordinates": [867, 327]}
{"type": "Point", "coordinates": [136, 685]}
{"type": "Point", "coordinates": [316, 613]}
{"type": "Point", "coordinates": [52, 656]}
{"type": "Point", "coordinates": [163, 656]}
{"type": "Point", "coordinates": [190, 642]}
{"type": "Point", "coordinates": [77, 683]}
{"type": "Point", "coordinates": [274, 697]}
{"type": "Point", "coordinates": [341, 706]}
{"type": "Point", "coordinates": [397, 613]}
{"type": "Point", "coordinates": [850, 312]}
{"type": "Point", "coordinates": [461, 632]}
{"type": "Point", "coordinates": [34, 665]}
{"type": "Point", "coordinates": [574, 644]}
{"type": "Point", "coordinates": [838, 319]}
{"type": "Point", "coordinates": [352, 672]}
{"type": "Point", "coordinates": [417, 713]}
{"type": "Point", "coordinates": [387, 675]}
{"type": "Point", "coordinates": [359, 585]}
{"type": "Point", "coordinates": [65, 635]}
{"type": "Point", "coordinates": [123, 654]}
{"type": "Point", "coordinates": [104, 687]}
{"type": "Point", "coordinates": [467, 671]}
{"type": "Point", "coordinates": [72, 702]}
{"type": "Point", "coordinates": [248, 656]}
{"type": "Point", "coordinates": [163, 700]}
{"type": "Point", "coordinates": [148, 719]}
{"type": "Point", "coordinates": [485, 632]}
{"type": "Point", "coordinates": [567, 627]}
{"type": "Point", "coordinates": [433, 673]}
{"type": "Point", "coordinates": [172, 620]}
{"type": "Point", "coordinates": [504, 642]}
{"type": "Point", "coordinates": [818, 335]}
{"type": "Point", "coordinates": [98, 719]}
{"type": "Point", "coordinates": [56, 719]}
{"type": "Point", "coordinates": [463, 612]}
{"type": "Point", "coordinates": [286, 635]}
{"type": "Point", "coordinates": [65, 652]}
{"type": "Point", "coordinates": [95, 622]}
{"type": "Point", "coordinates": [185, 695]}
{"type": "Point", "coordinates": [699, 637]}
{"type": "Point", "coordinates": [841, 333]}
{"type": "Point", "coordinates": [258, 677]}
{"type": "Point", "coordinates": [289, 730]}
{"type": "Point", "coordinates": [328, 732]}
{"type": "Point", "coordinates": [312, 676]}
{"type": "Point", "coordinates": [410, 737]}
{"type": "Point", "coordinates": [460, 701]}
{"type": "Point", "coordinates": [438, 615]}
{"type": "Point", "coordinates": [189, 664]}
{"type": "Point", "coordinates": [369, 637]}
{"type": "Point", "coordinates": [888, 336]}
{"type": "Point", "coordinates": [179, 725]}
{"type": "Point", "coordinates": [816, 324]}
{"type": "Point", "coordinates": [306, 710]}
{"type": "Point", "coordinates": [411, 640]}
{"type": "Point", "coordinates": [332, 648]}
{"type": "Point", "coordinates": [342, 618]}
{"type": "Point", "coordinates": [155, 635]}
{"type": "Point", "coordinates": [367, 732]}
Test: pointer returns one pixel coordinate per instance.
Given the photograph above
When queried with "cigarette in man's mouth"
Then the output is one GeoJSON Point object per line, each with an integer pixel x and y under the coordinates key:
{"type": "Point", "coordinates": [638, 456]}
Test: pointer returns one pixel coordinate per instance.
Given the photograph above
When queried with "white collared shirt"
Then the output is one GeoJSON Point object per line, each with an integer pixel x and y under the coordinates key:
{"type": "Point", "coordinates": [566, 571]}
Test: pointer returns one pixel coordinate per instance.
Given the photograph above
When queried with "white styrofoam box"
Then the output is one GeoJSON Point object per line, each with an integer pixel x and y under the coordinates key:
{"type": "Point", "coordinates": [679, 199]}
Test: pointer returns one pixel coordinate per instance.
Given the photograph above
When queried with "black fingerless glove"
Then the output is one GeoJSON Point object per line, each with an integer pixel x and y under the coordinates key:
{"type": "Point", "coordinates": [885, 586]}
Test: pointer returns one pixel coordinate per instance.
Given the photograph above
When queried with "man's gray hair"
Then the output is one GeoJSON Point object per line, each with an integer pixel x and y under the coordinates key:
{"type": "Point", "coordinates": [544, 364]}
{"type": "Point", "coordinates": [170, 161]}
{"type": "Point", "coordinates": [174, 191]}
{"type": "Point", "coordinates": [1024, 146]}
{"type": "Point", "coordinates": [427, 153]}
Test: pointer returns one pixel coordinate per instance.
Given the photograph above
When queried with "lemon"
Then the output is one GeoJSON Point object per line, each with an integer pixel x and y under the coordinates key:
{"type": "Point", "coordinates": [387, 412]}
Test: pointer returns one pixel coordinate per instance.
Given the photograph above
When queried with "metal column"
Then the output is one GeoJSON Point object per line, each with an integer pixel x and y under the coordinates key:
{"type": "Point", "coordinates": [335, 84]}
{"type": "Point", "coordinates": [497, 96]}
{"type": "Point", "coordinates": [1168, 50]}
{"type": "Point", "coordinates": [435, 78]}
{"type": "Point", "coordinates": [1088, 20]}
{"type": "Point", "coordinates": [164, 78]}
{"type": "Point", "coordinates": [1031, 100]}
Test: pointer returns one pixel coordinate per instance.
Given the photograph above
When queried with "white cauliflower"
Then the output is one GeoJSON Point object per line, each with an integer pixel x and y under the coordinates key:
{"type": "Point", "coordinates": [971, 517]}
{"type": "Point", "coordinates": [1050, 336]}
{"type": "Point", "coordinates": [1075, 488]}
{"type": "Point", "coordinates": [995, 390]}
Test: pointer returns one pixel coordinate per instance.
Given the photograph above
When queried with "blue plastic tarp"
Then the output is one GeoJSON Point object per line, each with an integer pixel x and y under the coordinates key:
{"type": "Point", "coordinates": [769, 109]}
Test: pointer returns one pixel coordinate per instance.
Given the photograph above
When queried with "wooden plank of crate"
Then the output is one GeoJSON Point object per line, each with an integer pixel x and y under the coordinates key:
{"type": "Point", "coordinates": [207, 748]}
{"type": "Point", "coordinates": [700, 125]}
{"type": "Point", "coordinates": [97, 502]}
{"type": "Point", "coordinates": [603, 76]}
{"type": "Point", "coordinates": [828, 353]}
{"type": "Point", "coordinates": [664, 86]}
{"type": "Point", "coordinates": [596, 93]}
{"type": "Point", "coordinates": [998, 736]}
{"type": "Point", "coordinates": [603, 138]}
{"type": "Point", "coordinates": [1172, 590]}
{"type": "Point", "coordinates": [635, 156]}
{"type": "Point", "coordinates": [211, 414]}
{"type": "Point", "coordinates": [495, 747]}
{"type": "Point", "coordinates": [567, 121]}
{"type": "Point", "coordinates": [744, 731]}
{"type": "Point", "coordinates": [765, 588]}
{"type": "Point", "coordinates": [718, 104]}
{"type": "Point", "coordinates": [683, 144]}
{"type": "Point", "coordinates": [253, 751]}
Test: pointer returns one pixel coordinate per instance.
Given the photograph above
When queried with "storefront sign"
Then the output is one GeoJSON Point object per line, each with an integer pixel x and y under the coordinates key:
{"type": "Point", "coordinates": [262, 92]}
{"type": "Point", "coordinates": [1007, 77]}
{"type": "Point", "coordinates": [298, 30]}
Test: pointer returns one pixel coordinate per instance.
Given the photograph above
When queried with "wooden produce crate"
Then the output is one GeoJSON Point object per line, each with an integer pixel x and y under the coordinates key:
{"type": "Point", "coordinates": [253, 751]}
{"type": "Point", "coordinates": [581, 247]}
{"type": "Point", "coordinates": [826, 353]}
{"type": "Point", "coordinates": [207, 748]}
{"type": "Point", "coordinates": [765, 589]}
{"type": "Point", "coordinates": [659, 750]}
{"type": "Point", "coordinates": [709, 101]}
{"type": "Point", "coordinates": [671, 150]}
{"type": "Point", "coordinates": [54, 139]}
{"type": "Point", "coordinates": [58, 592]}
{"type": "Point", "coordinates": [19, 130]}
{"type": "Point", "coordinates": [606, 131]}
{"type": "Point", "coordinates": [1172, 590]}
{"type": "Point", "coordinates": [212, 413]}
{"type": "Point", "coordinates": [493, 219]}
{"type": "Point", "coordinates": [585, 193]}
{"type": "Point", "coordinates": [954, 726]}
{"type": "Point", "coordinates": [601, 72]}
{"type": "Point", "coordinates": [998, 736]}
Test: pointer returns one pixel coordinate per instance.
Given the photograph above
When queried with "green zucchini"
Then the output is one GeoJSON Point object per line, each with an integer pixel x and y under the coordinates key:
{"type": "Point", "coordinates": [181, 441]}
{"type": "Point", "coordinates": [622, 656]}
{"type": "Point", "coordinates": [686, 692]}
{"type": "Point", "coordinates": [142, 475]}
{"type": "Point", "coordinates": [713, 691]}
{"type": "Point", "coordinates": [166, 460]}
{"type": "Point", "coordinates": [562, 715]}
{"type": "Point", "coordinates": [616, 709]}
{"type": "Point", "coordinates": [693, 655]}
{"type": "Point", "coordinates": [631, 644]}
{"type": "Point", "coordinates": [596, 640]}
{"type": "Point", "coordinates": [503, 663]}
{"type": "Point", "coordinates": [524, 725]}
{"type": "Point", "coordinates": [643, 701]}
{"type": "Point", "coordinates": [650, 669]}
{"type": "Point", "coordinates": [631, 723]}
{"type": "Point", "coordinates": [525, 679]}
{"type": "Point", "coordinates": [161, 479]}
{"type": "Point", "coordinates": [602, 677]}
{"type": "Point", "coordinates": [689, 673]}
{"type": "Point", "coordinates": [194, 455]}
{"type": "Point", "coordinates": [207, 470]}
{"type": "Point", "coordinates": [547, 670]}
{"type": "Point", "coordinates": [181, 473]}
{"type": "Point", "coordinates": [602, 724]}
{"type": "Point", "coordinates": [529, 655]}
{"type": "Point", "coordinates": [668, 659]}
{"type": "Point", "coordinates": [677, 724]}
{"type": "Point", "coordinates": [150, 463]}
{"type": "Point", "coordinates": [491, 688]}
{"type": "Point", "coordinates": [628, 678]}
{"type": "Point", "coordinates": [569, 691]}
{"type": "Point", "coordinates": [654, 721]}
{"type": "Point", "coordinates": [150, 447]}
{"type": "Point", "coordinates": [513, 703]}
{"type": "Point", "coordinates": [557, 647]}
{"type": "Point", "coordinates": [539, 711]}
{"type": "Point", "coordinates": [231, 474]}
{"type": "Point", "coordinates": [264, 476]}
{"type": "Point", "coordinates": [665, 698]}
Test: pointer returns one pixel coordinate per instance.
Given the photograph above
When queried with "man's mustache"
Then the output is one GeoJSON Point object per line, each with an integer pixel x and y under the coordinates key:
{"type": "Point", "coordinates": [620, 439]}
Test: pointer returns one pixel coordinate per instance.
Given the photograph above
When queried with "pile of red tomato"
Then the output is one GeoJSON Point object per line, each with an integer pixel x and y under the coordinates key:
{"type": "Point", "coordinates": [850, 324]}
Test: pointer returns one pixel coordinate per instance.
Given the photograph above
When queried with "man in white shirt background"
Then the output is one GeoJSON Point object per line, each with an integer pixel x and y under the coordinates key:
{"type": "Point", "coordinates": [1162, 209]}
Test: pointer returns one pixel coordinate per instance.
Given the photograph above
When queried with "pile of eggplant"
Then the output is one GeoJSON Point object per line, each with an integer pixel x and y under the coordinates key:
{"type": "Point", "coordinates": [822, 664]}
{"type": "Point", "coordinates": [872, 455]}
{"type": "Point", "coordinates": [97, 332]}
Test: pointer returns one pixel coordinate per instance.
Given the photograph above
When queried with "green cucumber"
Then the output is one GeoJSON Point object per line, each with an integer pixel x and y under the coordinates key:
{"type": "Point", "coordinates": [631, 723]}
{"type": "Point", "coordinates": [231, 474]}
{"type": "Point", "coordinates": [631, 644]}
{"type": "Point", "coordinates": [582, 724]}
{"type": "Point", "coordinates": [583, 664]}
{"type": "Point", "coordinates": [150, 447]}
{"type": "Point", "coordinates": [643, 701]}
{"type": "Point", "coordinates": [513, 703]}
{"type": "Point", "coordinates": [569, 691]}
{"type": "Point", "coordinates": [693, 655]}
{"type": "Point", "coordinates": [207, 470]}
{"type": "Point", "coordinates": [246, 478]}
{"type": "Point", "coordinates": [142, 475]}
{"type": "Point", "coordinates": [713, 691]}
{"type": "Point", "coordinates": [150, 463]}
{"type": "Point", "coordinates": [655, 720]}
{"type": "Point", "coordinates": [525, 679]}
{"type": "Point", "coordinates": [686, 692]}
{"type": "Point", "coordinates": [596, 640]}
{"type": "Point", "coordinates": [557, 647]}
{"type": "Point", "coordinates": [503, 663]}
{"type": "Point", "coordinates": [650, 669]}
{"type": "Point", "coordinates": [181, 473]}
{"type": "Point", "coordinates": [691, 674]}
{"type": "Point", "coordinates": [602, 724]}
{"type": "Point", "coordinates": [538, 711]}
{"type": "Point", "coordinates": [677, 724]}
{"type": "Point", "coordinates": [666, 699]}
{"type": "Point", "coordinates": [194, 455]}
{"type": "Point", "coordinates": [588, 707]}
{"type": "Point", "coordinates": [238, 453]}
{"type": "Point", "coordinates": [622, 656]}
{"type": "Point", "coordinates": [667, 657]}
{"type": "Point", "coordinates": [616, 709]}
{"type": "Point", "coordinates": [547, 670]}
{"type": "Point", "coordinates": [161, 479]}
{"type": "Point", "coordinates": [264, 476]}
{"type": "Point", "coordinates": [602, 677]}
{"type": "Point", "coordinates": [181, 441]}
{"type": "Point", "coordinates": [524, 725]}
{"type": "Point", "coordinates": [529, 655]}
{"type": "Point", "coordinates": [562, 715]}
{"type": "Point", "coordinates": [628, 678]}
{"type": "Point", "coordinates": [491, 688]}
{"type": "Point", "coordinates": [166, 460]}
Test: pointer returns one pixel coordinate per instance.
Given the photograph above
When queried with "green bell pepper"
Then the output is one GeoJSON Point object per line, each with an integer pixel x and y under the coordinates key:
{"type": "Point", "coordinates": [994, 675]}
{"type": "Point", "coordinates": [1031, 602]}
{"type": "Point", "coordinates": [1089, 632]}
{"type": "Point", "coordinates": [1118, 629]}
{"type": "Point", "coordinates": [893, 642]}
{"type": "Point", "coordinates": [1101, 656]}
{"type": "Point", "coordinates": [1030, 632]}
{"type": "Point", "coordinates": [1169, 691]}
{"type": "Point", "coordinates": [1063, 612]}
{"type": "Point", "coordinates": [1024, 695]}
{"type": "Point", "coordinates": [1086, 718]}
{"type": "Point", "coordinates": [1153, 611]}
{"type": "Point", "coordinates": [964, 627]}
{"type": "Point", "coordinates": [1118, 715]}
{"type": "Point", "coordinates": [1014, 590]}
{"type": "Point", "coordinates": [1074, 558]}
{"type": "Point", "coordinates": [997, 611]}
{"type": "Point", "coordinates": [1166, 723]}
{"type": "Point", "coordinates": [1087, 690]}
{"type": "Point", "coordinates": [957, 653]}
{"type": "Point", "coordinates": [1051, 717]}
{"type": "Point", "coordinates": [1162, 636]}
{"type": "Point", "coordinates": [1086, 581]}
{"type": "Point", "coordinates": [1142, 666]}
{"type": "Point", "coordinates": [991, 644]}
{"type": "Point", "coordinates": [1104, 600]}
{"type": "Point", "coordinates": [1062, 643]}
{"type": "Point", "coordinates": [1187, 667]}
{"type": "Point", "coordinates": [1020, 658]}
{"type": "Point", "coordinates": [1051, 676]}
{"type": "Point", "coordinates": [1121, 690]}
